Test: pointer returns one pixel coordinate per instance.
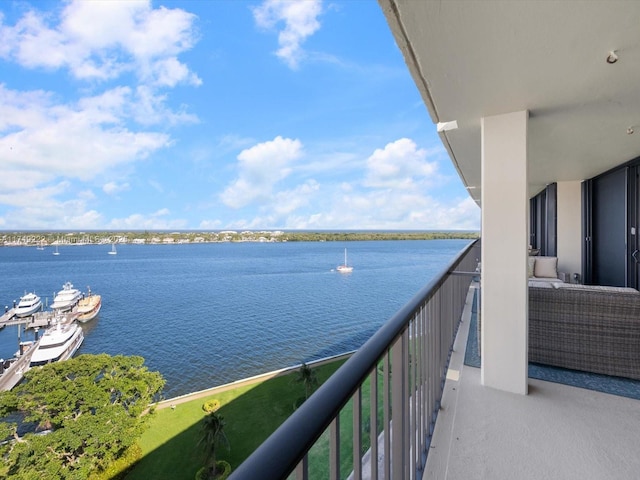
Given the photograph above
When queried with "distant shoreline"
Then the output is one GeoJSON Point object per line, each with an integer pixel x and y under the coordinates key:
{"type": "Point", "coordinates": [48, 239]}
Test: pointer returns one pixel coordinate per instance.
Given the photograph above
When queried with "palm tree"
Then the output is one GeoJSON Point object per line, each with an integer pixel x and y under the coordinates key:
{"type": "Point", "coordinates": [307, 376]}
{"type": "Point", "coordinates": [212, 434]}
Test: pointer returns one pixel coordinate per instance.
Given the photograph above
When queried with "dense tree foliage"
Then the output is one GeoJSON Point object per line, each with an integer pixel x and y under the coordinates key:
{"type": "Point", "coordinates": [371, 236]}
{"type": "Point", "coordinates": [150, 237]}
{"type": "Point", "coordinates": [87, 412]}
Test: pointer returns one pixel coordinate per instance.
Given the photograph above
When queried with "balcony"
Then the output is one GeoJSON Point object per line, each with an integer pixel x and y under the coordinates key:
{"type": "Point", "coordinates": [554, 432]}
{"type": "Point", "coordinates": [451, 426]}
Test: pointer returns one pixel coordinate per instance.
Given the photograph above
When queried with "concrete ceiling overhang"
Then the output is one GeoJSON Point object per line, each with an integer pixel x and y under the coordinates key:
{"type": "Point", "coordinates": [472, 59]}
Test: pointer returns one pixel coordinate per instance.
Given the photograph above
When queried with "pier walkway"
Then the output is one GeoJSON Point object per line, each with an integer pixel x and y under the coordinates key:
{"type": "Point", "coordinates": [14, 372]}
{"type": "Point", "coordinates": [37, 320]}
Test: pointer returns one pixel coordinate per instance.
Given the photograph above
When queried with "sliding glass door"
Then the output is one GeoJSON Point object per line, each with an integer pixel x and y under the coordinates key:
{"type": "Point", "coordinates": [611, 219]}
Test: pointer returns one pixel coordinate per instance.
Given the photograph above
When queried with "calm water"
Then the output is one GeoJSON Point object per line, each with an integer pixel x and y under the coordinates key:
{"type": "Point", "coordinates": [207, 314]}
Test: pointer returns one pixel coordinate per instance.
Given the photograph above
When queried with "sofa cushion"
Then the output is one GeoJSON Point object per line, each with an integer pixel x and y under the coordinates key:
{"type": "Point", "coordinates": [546, 267]}
{"type": "Point", "coordinates": [599, 288]}
{"type": "Point", "coordinates": [545, 282]}
{"type": "Point", "coordinates": [533, 282]}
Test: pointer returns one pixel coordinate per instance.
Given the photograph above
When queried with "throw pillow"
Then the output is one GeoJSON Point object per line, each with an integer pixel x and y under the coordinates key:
{"type": "Point", "coordinates": [546, 267]}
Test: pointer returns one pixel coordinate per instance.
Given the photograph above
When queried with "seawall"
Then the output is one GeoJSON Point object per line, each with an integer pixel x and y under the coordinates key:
{"type": "Point", "coordinates": [243, 382]}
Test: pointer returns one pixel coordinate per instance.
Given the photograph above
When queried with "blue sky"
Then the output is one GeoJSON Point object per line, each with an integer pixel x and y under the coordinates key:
{"type": "Point", "coordinates": [213, 115]}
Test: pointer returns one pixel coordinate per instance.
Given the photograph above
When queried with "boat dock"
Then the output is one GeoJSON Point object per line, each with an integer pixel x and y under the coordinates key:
{"type": "Point", "coordinates": [37, 320]}
{"type": "Point", "coordinates": [13, 372]}
{"type": "Point", "coordinates": [13, 369]}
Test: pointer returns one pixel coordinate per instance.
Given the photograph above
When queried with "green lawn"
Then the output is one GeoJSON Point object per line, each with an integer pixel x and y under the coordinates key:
{"type": "Point", "coordinates": [319, 453]}
{"type": "Point", "coordinates": [170, 446]}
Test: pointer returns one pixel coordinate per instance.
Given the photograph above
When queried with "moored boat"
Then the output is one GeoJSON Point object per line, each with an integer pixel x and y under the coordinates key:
{"type": "Point", "coordinates": [89, 307]}
{"type": "Point", "coordinates": [58, 343]}
{"type": "Point", "coordinates": [345, 268]}
{"type": "Point", "coordinates": [66, 298]}
{"type": "Point", "coordinates": [29, 304]}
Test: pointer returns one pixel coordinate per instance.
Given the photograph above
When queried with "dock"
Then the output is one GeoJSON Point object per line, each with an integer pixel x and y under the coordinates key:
{"type": "Point", "coordinates": [5, 317]}
{"type": "Point", "coordinates": [12, 375]}
{"type": "Point", "coordinates": [38, 320]}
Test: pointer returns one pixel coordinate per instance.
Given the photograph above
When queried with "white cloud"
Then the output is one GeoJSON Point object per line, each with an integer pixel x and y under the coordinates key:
{"type": "Point", "coordinates": [388, 210]}
{"type": "Point", "coordinates": [400, 165]}
{"type": "Point", "coordinates": [86, 195]}
{"type": "Point", "coordinates": [156, 186]}
{"type": "Point", "coordinates": [393, 192]}
{"type": "Point", "coordinates": [37, 197]}
{"type": "Point", "coordinates": [39, 209]}
{"type": "Point", "coordinates": [462, 215]}
{"type": "Point", "coordinates": [281, 206]}
{"type": "Point", "coordinates": [36, 137]}
{"type": "Point", "coordinates": [288, 201]}
{"type": "Point", "coordinates": [300, 21]}
{"type": "Point", "coordinates": [169, 72]}
{"type": "Point", "coordinates": [260, 168]}
{"type": "Point", "coordinates": [45, 144]}
{"type": "Point", "coordinates": [210, 225]}
{"type": "Point", "coordinates": [47, 141]}
{"type": "Point", "coordinates": [153, 221]}
{"type": "Point", "coordinates": [112, 188]}
{"type": "Point", "coordinates": [102, 39]}
{"type": "Point", "coordinates": [147, 108]}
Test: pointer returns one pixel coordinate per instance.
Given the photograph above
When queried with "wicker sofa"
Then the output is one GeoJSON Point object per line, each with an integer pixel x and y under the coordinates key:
{"type": "Point", "coordinates": [584, 327]}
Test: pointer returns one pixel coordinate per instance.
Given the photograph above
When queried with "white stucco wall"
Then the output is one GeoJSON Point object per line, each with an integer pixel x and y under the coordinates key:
{"type": "Point", "coordinates": [569, 229]}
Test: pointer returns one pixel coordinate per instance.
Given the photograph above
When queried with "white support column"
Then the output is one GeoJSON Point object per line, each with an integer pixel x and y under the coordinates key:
{"type": "Point", "coordinates": [505, 239]}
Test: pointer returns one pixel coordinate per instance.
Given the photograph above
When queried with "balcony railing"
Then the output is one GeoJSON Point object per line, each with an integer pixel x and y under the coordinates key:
{"type": "Point", "coordinates": [380, 407]}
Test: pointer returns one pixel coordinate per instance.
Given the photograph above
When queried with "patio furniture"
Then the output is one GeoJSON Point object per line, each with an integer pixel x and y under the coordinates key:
{"type": "Point", "coordinates": [585, 327]}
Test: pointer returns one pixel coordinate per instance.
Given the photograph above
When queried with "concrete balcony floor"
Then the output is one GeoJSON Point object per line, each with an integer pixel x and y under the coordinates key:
{"type": "Point", "coordinates": [555, 432]}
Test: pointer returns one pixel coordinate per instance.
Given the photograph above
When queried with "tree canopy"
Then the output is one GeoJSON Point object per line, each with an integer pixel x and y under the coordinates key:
{"type": "Point", "coordinates": [87, 411]}
{"type": "Point", "coordinates": [307, 376]}
{"type": "Point", "coordinates": [212, 434]}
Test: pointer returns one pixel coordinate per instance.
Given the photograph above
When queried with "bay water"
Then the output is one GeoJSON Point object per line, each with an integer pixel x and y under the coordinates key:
{"type": "Point", "coordinates": [207, 314]}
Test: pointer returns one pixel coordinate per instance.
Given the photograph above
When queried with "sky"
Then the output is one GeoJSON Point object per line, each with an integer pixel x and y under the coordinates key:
{"type": "Point", "coordinates": [216, 115]}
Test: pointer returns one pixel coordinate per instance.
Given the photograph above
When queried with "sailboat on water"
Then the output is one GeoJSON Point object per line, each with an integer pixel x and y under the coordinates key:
{"type": "Point", "coordinates": [345, 268]}
{"type": "Point", "coordinates": [113, 250]}
{"type": "Point", "coordinates": [56, 252]}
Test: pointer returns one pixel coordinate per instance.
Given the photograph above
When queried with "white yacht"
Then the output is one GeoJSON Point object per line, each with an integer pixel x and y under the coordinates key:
{"type": "Point", "coordinates": [66, 298]}
{"type": "Point", "coordinates": [29, 304]}
{"type": "Point", "coordinates": [58, 343]}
